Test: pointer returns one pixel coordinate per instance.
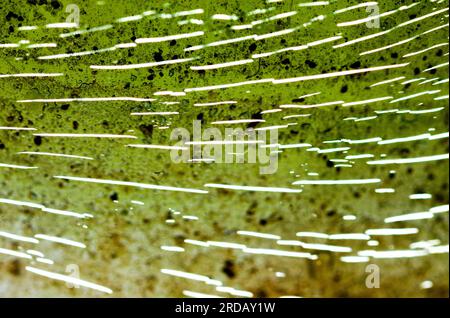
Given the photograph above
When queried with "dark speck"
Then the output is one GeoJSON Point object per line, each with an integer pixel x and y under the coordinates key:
{"type": "Point", "coordinates": [55, 4]}
{"type": "Point", "coordinates": [228, 269]}
{"type": "Point", "coordinates": [37, 140]}
{"type": "Point", "coordinates": [158, 56]}
{"type": "Point", "coordinates": [357, 64]}
{"type": "Point", "coordinates": [311, 64]}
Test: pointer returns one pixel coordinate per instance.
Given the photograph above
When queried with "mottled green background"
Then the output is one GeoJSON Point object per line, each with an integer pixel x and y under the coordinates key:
{"type": "Point", "coordinates": [123, 240]}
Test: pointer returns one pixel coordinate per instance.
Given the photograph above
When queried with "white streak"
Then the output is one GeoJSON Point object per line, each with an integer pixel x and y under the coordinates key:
{"type": "Point", "coordinates": [87, 99]}
{"type": "Point", "coordinates": [264, 251]}
{"type": "Point", "coordinates": [336, 74]}
{"type": "Point", "coordinates": [60, 240]}
{"type": "Point", "coordinates": [408, 160]}
{"type": "Point", "coordinates": [216, 103]}
{"type": "Point", "coordinates": [163, 147]}
{"type": "Point", "coordinates": [132, 184]}
{"type": "Point", "coordinates": [31, 75]}
{"type": "Point", "coordinates": [19, 237]}
{"type": "Point", "coordinates": [251, 188]}
{"type": "Point", "coordinates": [404, 231]}
{"type": "Point", "coordinates": [261, 235]}
{"type": "Point", "coordinates": [85, 135]}
{"type": "Point", "coordinates": [333, 182]}
{"type": "Point", "coordinates": [5, 165]}
{"type": "Point", "coordinates": [53, 155]}
{"type": "Point", "coordinates": [169, 37]}
{"type": "Point", "coordinates": [14, 253]}
{"type": "Point", "coordinates": [141, 65]}
{"type": "Point", "coordinates": [68, 279]}
{"type": "Point", "coordinates": [220, 65]}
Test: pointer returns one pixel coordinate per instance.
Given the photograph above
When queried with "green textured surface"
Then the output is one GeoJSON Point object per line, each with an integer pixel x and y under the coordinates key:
{"type": "Point", "coordinates": [123, 240]}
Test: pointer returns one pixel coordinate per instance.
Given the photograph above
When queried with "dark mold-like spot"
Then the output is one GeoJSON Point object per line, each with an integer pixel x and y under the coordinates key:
{"type": "Point", "coordinates": [158, 56]}
{"type": "Point", "coordinates": [55, 4]}
{"type": "Point", "coordinates": [311, 64]}
{"type": "Point", "coordinates": [14, 267]}
{"type": "Point", "coordinates": [147, 130]}
{"type": "Point", "coordinates": [255, 116]}
{"type": "Point", "coordinates": [228, 269]}
{"type": "Point", "coordinates": [357, 64]}
{"type": "Point", "coordinates": [11, 15]}
{"type": "Point", "coordinates": [37, 140]}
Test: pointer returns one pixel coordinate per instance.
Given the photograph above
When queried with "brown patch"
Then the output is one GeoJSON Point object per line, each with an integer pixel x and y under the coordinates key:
{"type": "Point", "coordinates": [14, 267]}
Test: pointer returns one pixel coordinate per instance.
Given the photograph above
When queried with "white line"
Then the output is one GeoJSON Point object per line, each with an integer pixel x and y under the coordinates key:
{"type": "Point", "coordinates": [154, 114]}
{"type": "Point", "coordinates": [357, 6]}
{"type": "Point", "coordinates": [87, 99]}
{"type": "Point", "coordinates": [408, 160]}
{"type": "Point", "coordinates": [61, 25]}
{"type": "Point", "coordinates": [388, 81]}
{"type": "Point", "coordinates": [53, 154]}
{"type": "Point", "coordinates": [5, 165]}
{"type": "Point", "coordinates": [17, 128]}
{"type": "Point", "coordinates": [19, 237]}
{"type": "Point", "coordinates": [404, 231]}
{"type": "Point", "coordinates": [368, 101]}
{"type": "Point", "coordinates": [336, 74]}
{"type": "Point", "coordinates": [274, 252]}
{"type": "Point", "coordinates": [69, 279]}
{"type": "Point", "coordinates": [216, 103]}
{"type": "Point", "coordinates": [60, 240]}
{"type": "Point", "coordinates": [141, 65]}
{"type": "Point", "coordinates": [85, 135]}
{"type": "Point", "coordinates": [169, 37]}
{"type": "Point", "coordinates": [14, 253]}
{"type": "Point", "coordinates": [132, 184]}
{"type": "Point", "coordinates": [164, 147]}
{"type": "Point", "coordinates": [260, 235]}
{"type": "Point", "coordinates": [251, 188]}
{"type": "Point", "coordinates": [220, 65]}
{"type": "Point", "coordinates": [193, 294]}
{"type": "Point", "coordinates": [332, 182]}
{"type": "Point", "coordinates": [31, 75]}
